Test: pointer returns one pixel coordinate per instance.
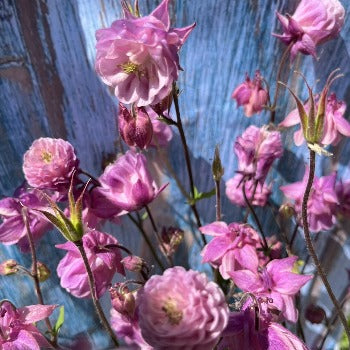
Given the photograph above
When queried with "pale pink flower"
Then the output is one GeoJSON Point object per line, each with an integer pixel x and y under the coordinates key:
{"type": "Point", "coordinates": [232, 248]}
{"type": "Point", "coordinates": [276, 281]}
{"type": "Point", "coordinates": [251, 95]}
{"type": "Point", "coordinates": [162, 133]}
{"type": "Point", "coordinates": [322, 203]}
{"type": "Point", "coordinates": [313, 22]}
{"type": "Point", "coordinates": [234, 191]}
{"type": "Point", "coordinates": [127, 183]}
{"type": "Point", "coordinates": [335, 125]}
{"type": "Point", "coordinates": [49, 164]}
{"type": "Point", "coordinates": [103, 260]}
{"type": "Point", "coordinates": [138, 57]}
{"type": "Point", "coordinates": [246, 331]}
{"type": "Point", "coordinates": [17, 329]}
{"type": "Point", "coordinates": [256, 150]}
{"type": "Point", "coordinates": [181, 310]}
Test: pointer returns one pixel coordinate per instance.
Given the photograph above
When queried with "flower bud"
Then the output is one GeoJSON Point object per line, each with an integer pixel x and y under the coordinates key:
{"type": "Point", "coordinates": [286, 211]}
{"type": "Point", "coordinates": [123, 301]}
{"type": "Point", "coordinates": [133, 263]}
{"type": "Point", "coordinates": [8, 267]}
{"type": "Point", "coordinates": [42, 271]}
{"type": "Point", "coordinates": [315, 314]}
{"type": "Point", "coordinates": [135, 128]}
{"type": "Point", "coordinates": [164, 105]}
{"type": "Point", "coordinates": [171, 238]}
{"type": "Point", "coordinates": [217, 168]}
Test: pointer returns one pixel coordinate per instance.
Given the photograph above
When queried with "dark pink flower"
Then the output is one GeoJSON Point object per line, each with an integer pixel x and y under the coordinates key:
{"type": "Point", "coordinates": [276, 281]}
{"type": "Point", "coordinates": [251, 95]}
{"type": "Point", "coordinates": [313, 22]}
{"type": "Point", "coordinates": [127, 183]}
{"type": "Point", "coordinates": [322, 203]}
{"type": "Point", "coordinates": [256, 150]}
{"type": "Point", "coordinates": [342, 189]}
{"type": "Point", "coordinates": [138, 57]}
{"type": "Point", "coordinates": [49, 164]}
{"type": "Point", "coordinates": [234, 191]}
{"type": "Point", "coordinates": [181, 309]}
{"type": "Point", "coordinates": [135, 127]}
{"type": "Point", "coordinates": [17, 330]}
{"type": "Point", "coordinates": [103, 260]}
{"type": "Point", "coordinates": [12, 228]}
{"type": "Point", "coordinates": [335, 125]}
{"type": "Point", "coordinates": [232, 248]}
{"type": "Point", "coordinates": [245, 331]}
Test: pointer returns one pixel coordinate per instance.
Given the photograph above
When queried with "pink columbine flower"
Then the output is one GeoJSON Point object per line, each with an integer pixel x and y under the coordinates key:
{"type": "Point", "coordinates": [138, 57]}
{"type": "Point", "coordinates": [313, 22]}
{"type": "Point", "coordinates": [162, 133]}
{"type": "Point", "coordinates": [335, 125]}
{"type": "Point", "coordinates": [12, 228]}
{"type": "Point", "coordinates": [103, 260]}
{"type": "Point", "coordinates": [127, 183]}
{"type": "Point", "coordinates": [248, 331]}
{"type": "Point", "coordinates": [251, 95]}
{"type": "Point", "coordinates": [276, 281]}
{"type": "Point", "coordinates": [322, 203]}
{"type": "Point", "coordinates": [49, 164]}
{"type": "Point", "coordinates": [17, 330]}
{"type": "Point", "coordinates": [234, 191]}
{"type": "Point", "coordinates": [181, 309]}
{"type": "Point", "coordinates": [135, 127]}
{"type": "Point", "coordinates": [232, 248]}
{"type": "Point", "coordinates": [256, 150]}
{"type": "Point", "coordinates": [342, 189]}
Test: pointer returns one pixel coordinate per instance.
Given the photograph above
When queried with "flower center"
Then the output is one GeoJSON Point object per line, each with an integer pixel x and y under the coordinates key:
{"type": "Point", "coordinates": [173, 313]}
{"type": "Point", "coordinates": [46, 156]}
{"type": "Point", "coordinates": [129, 67]}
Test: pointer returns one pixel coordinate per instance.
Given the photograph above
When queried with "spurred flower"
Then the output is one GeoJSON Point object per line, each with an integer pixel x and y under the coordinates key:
{"type": "Point", "coordinates": [335, 125]}
{"type": "Point", "coordinates": [49, 164]}
{"type": "Point", "coordinates": [135, 127]}
{"type": "Point", "coordinates": [232, 248]}
{"type": "Point", "coordinates": [256, 150]}
{"type": "Point", "coordinates": [12, 228]}
{"type": "Point", "coordinates": [103, 260]}
{"type": "Point", "coordinates": [313, 22]}
{"type": "Point", "coordinates": [251, 95]}
{"type": "Point", "coordinates": [127, 183]}
{"type": "Point", "coordinates": [181, 309]}
{"type": "Point", "coordinates": [138, 57]}
{"type": "Point", "coordinates": [276, 281]}
{"type": "Point", "coordinates": [322, 204]}
{"type": "Point", "coordinates": [17, 330]}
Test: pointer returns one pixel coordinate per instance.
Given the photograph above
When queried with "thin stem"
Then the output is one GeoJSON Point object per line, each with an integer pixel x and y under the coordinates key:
{"type": "Point", "coordinates": [295, 231]}
{"type": "Point", "coordinates": [251, 200]}
{"type": "Point", "coordinates": [148, 242]}
{"type": "Point", "coordinates": [278, 78]}
{"type": "Point", "coordinates": [92, 285]}
{"type": "Point", "coordinates": [218, 200]}
{"type": "Point", "coordinates": [310, 246]}
{"type": "Point", "coordinates": [34, 272]}
{"type": "Point", "coordinates": [255, 216]}
{"type": "Point", "coordinates": [154, 226]}
{"type": "Point", "coordinates": [187, 158]}
{"type": "Point", "coordinates": [93, 179]}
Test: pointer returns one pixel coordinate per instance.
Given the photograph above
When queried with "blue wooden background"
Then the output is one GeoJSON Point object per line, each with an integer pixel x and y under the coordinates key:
{"type": "Point", "coordinates": [48, 87]}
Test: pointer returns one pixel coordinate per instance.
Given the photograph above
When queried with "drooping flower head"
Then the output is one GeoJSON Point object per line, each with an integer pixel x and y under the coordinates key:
{"type": "Point", "coordinates": [17, 330]}
{"type": "Point", "coordinates": [127, 183]}
{"type": "Point", "coordinates": [335, 125]}
{"type": "Point", "coordinates": [251, 95]}
{"type": "Point", "coordinates": [104, 260]}
{"type": "Point", "coordinates": [322, 203]}
{"type": "Point", "coordinates": [181, 309]}
{"type": "Point", "coordinates": [313, 22]}
{"type": "Point", "coordinates": [49, 164]}
{"type": "Point", "coordinates": [138, 57]}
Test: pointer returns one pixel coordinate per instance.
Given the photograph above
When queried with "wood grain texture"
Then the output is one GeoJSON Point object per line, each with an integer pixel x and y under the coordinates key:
{"type": "Point", "coordinates": [48, 87]}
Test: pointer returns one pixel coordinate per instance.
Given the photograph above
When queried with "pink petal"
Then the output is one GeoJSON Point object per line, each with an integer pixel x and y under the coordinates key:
{"type": "Point", "coordinates": [247, 280]}
{"type": "Point", "coordinates": [217, 228]}
{"type": "Point", "coordinates": [34, 313]}
{"type": "Point", "coordinates": [161, 13]}
{"type": "Point", "coordinates": [291, 119]}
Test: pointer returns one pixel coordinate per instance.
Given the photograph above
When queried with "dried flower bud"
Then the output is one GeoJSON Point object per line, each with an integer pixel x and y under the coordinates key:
{"type": "Point", "coordinates": [218, 170]}
{"type": "Point", "coordinates": [315, 314]}
{"type": "Point", "coordinates": [135, 128]}
{"type": "Point", "coordinates": [164, 105]}
{"type": "Point", "coordinates": [171, 239]}
{"type": "Point", "coordinates": [43, 271]}
{"type": "Point", "coordinates": [133, 263]}
{"type": "Point", "coordinates": [8, 267]}
{"type": "Point", "coordinates": [123, 300]}
{"type": "Point", "coordinates": [287, 211]}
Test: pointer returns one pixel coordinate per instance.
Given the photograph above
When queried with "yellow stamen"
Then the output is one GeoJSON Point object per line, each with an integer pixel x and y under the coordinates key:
{"type": "Point", "coordinates": [129, 67]}
{"type": "Point", "coordinates": [46, 156]}
{"type": "Point", "coordinates": [173, 313]}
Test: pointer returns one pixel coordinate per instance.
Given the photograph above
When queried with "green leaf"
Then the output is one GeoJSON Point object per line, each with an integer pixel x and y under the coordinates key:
{"type": "Point", "coordinates": [144, 216]}
{"type": "Point", "coordinates": [200, 195]}
{"type": "Point", "coordinates": [344, 341]}
{"type": "Point", "coordinates": [60, 321]}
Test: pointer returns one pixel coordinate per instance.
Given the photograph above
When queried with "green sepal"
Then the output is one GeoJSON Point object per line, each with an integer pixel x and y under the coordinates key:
{"type": "Point", "coordinates": [200, 195]}
{"type": "Point", "coordinates": [59, 322]}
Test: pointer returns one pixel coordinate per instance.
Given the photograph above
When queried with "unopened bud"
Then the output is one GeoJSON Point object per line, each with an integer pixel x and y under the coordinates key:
{"type": "Point", "coordinates": [8, 267]}
{"type": "Point", "coordinates": [164, 105]}
{"type": "Point", "coordinates": [42, 271]}
{"type": "Point", "coordinates": [218, 170]}
{"type": "Point", "coordinates": [133, 263]}
{"type": "Point", "coordinates": [171, 239]}
{"type": "Point", "coordinates": [287, 211]}
{"type": "Point", "coordinates": [123, 300]}
{"type": "Point", "coordinates": [315, 314]}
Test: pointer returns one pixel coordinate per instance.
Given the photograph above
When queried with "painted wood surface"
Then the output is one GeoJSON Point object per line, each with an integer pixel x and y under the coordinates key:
{"type": "Point", "coordinates": [48, 87]}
